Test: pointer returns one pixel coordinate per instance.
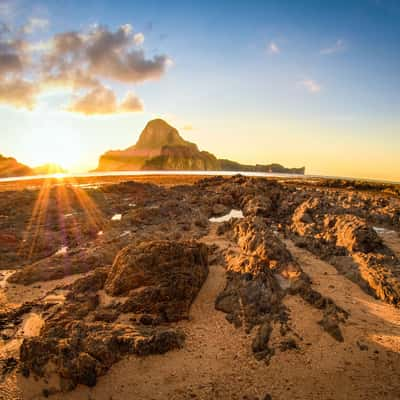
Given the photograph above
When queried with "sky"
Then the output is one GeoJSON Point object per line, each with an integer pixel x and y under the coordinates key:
{"type": "Point", "coordinates": [311, 83]}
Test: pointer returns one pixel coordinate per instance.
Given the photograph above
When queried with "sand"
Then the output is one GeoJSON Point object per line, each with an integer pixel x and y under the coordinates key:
{"type": "Point", "coordinates": [217, 363]}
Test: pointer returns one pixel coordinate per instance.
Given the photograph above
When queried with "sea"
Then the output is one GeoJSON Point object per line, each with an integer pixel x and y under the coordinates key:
{"type": "Point", "coordinates": [206, 173]}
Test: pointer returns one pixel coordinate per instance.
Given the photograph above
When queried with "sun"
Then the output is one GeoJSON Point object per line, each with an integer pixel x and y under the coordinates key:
{"type": "Point", "coordinates": [54, 145]}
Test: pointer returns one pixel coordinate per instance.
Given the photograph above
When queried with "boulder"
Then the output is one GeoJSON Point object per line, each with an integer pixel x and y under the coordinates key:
{"type": "Point", "coordinates": [159, 277]}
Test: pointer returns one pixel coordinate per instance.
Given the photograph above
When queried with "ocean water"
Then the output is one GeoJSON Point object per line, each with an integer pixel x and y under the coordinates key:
{"type": "Point", "coordinates": [206, 173]}
{"type": "Point", "coordinates": [147, 173]}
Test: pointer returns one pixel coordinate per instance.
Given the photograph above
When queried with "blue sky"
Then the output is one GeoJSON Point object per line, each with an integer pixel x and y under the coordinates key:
{"type": "Point", "coordinates": [301, 83]}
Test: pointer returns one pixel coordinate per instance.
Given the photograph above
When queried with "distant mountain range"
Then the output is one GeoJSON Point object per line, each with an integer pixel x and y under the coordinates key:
{"type": "Point", "coordinates": [160, 147]}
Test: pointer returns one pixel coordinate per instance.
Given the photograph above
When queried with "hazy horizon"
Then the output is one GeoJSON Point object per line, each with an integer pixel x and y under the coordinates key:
{"type": "Point", "coordinates": [311, 84]}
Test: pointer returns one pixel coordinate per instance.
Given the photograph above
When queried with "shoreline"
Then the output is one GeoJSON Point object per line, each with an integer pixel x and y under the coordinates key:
{"type": "Point", "coordinates": [100, 174]}
{"type": "Point", "coordinates": [173, 178]}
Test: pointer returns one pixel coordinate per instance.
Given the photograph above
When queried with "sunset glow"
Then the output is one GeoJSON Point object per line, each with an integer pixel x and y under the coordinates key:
{"type": "Point", "coordinates": [54, 145]}
{"type": "Point", "coordinates": [199, 199]}
{"type": "Point", "coordinates": [269, 85]}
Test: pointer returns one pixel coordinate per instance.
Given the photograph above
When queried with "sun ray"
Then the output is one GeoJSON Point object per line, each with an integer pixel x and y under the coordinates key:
{"type": "Point", "coordinates": [32, 233]}
{"type": "Point", "coordinates": [66, 192]}
{"type": "Point", "coordinates": [93, 214]}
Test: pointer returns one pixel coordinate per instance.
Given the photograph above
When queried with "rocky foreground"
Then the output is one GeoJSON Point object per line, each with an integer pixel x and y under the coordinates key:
{"type": "Point", "coordinates": [138, 290]}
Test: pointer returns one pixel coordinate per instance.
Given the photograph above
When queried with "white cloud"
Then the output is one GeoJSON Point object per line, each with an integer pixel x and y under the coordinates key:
{"type": "Point", "coordinates": [127, 28]}
{"type": "Point", "coordinates": [40, 46]}
{"type": "Point", "coordinates": [310, 85]}
{"type": "Point", "coordinates": [273, 48]}
{"type": "Point", "coordinates": [77, 61]}
{"type": "Point", "coordinates": [131, 103]}
{"type": "Point", "coordinates": [102, 100]}
{"type": "Point", "coordinates": [336, 48]}
{"type": "Point", "coordinates": [138, 38]}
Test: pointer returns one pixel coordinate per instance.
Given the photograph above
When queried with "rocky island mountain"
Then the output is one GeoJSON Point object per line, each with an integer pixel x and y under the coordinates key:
{"type": "Point", "coordinates": [160, 147]}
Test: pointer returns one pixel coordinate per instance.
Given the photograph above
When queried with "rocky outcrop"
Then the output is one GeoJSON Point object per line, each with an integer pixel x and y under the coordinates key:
{"type": "Point", "coordinates": [82, 351]}
{"type": "Point", "coordinates": [161, 278]}
{"type": "Point", "coordinates": [330, 232]}
{"type": "Point", "coordinates": [82, 338]}
{"type": "Point", "coordinates": [59, 266]}
{"type": "Point", "coordinates": [160, 147]}
{"type": "Point", "coordinates": [257, 242]}
{"type": "Point", "coordinates": [10, 167]}
{"type": "Point", "coordinates": [259, 277]}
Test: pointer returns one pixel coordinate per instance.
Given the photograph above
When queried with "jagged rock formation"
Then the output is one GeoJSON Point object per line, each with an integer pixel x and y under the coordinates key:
{"type": "Point", "coordinates": [160, 147]}
{"type": "Point", "coordinates": [259, 277]}
{"type": "Point", "coordinates": [161, 278]}
{"type": "Point", "coordinates": [10, 167]}
{"type": "Point", "coordinates": [154, 284]}
{"type": "Point", "coordinates": [348, 242]}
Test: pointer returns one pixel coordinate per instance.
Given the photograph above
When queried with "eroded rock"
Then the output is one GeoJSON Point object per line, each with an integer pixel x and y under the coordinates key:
{"type": "Point", "coordinates": [82, 337]}
{"type": "Point", "coordinates": [331, 233]}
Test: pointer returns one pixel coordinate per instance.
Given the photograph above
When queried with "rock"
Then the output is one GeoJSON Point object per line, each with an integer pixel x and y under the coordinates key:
{"type": "Point", "coordinates": [11, 167]}
{"type": "Point", "coordinates": [83, 351]}
{"type": "Point", "coordinates": [223, 228]}
{"type": "Point", "coordinates": [333, 315]}
{"type": "Point", "coordinates": [257, 206]}
{"type": "Point", "coordinates": [260, 342]}
{"type": "Point", "coordinates": [356, 236]}
{"type": "Point", "coordinates": [330, 324]}
{"type": "Point", "coordinates": [56, 267]}
{"type": "Point", "coordinates": [256, 240]}
{"type": "Point", "coordinates": [159, 277]}
{"type": "Point", "coordinates": [252, 295]}
{"type": "Point", "coordinates": [288, 344]}
{"type": "Point", "coordinates": [332, 233]}
{"type": "Point", "coordinates": [8, 365]}
{"type": "Point", "coordinates": [219, 209]}
{"type": "Point", "coordinates": [82, 337]}
{"type": "Point", "coordinates": [362, 346]}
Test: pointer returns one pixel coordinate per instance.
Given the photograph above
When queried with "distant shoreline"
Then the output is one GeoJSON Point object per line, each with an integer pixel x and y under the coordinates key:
{"type": "Point", "coordinates": [113, 176]}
